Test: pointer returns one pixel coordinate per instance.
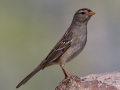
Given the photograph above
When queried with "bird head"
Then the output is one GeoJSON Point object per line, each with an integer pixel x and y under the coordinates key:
{"type": "Point", "coordinates": [83, 15]}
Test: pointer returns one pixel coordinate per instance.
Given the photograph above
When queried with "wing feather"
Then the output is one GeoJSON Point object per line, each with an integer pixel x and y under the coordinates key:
{"type": "Point", "coordinates": [59, 48]}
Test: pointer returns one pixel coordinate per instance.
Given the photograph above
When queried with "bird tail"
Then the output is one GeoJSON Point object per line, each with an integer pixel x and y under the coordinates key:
{"type": "Point", "coordinates": [38, 68]}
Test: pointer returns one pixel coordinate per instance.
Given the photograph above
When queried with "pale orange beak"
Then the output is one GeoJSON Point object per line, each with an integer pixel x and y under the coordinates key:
{"type": "Point", "coordinates": [91, 13]}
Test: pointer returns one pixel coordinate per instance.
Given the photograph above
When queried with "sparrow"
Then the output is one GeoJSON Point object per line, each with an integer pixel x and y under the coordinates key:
{"type": "Point", "coordinates": [69, 46]}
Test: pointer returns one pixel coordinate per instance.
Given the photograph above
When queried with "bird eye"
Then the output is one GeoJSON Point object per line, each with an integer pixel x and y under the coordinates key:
{"type": "Point", "coordinates": [82, 13]}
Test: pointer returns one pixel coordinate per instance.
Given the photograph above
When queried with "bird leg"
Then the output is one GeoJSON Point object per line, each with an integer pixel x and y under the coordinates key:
{"type": "Point", "coordinates": [66, 73]}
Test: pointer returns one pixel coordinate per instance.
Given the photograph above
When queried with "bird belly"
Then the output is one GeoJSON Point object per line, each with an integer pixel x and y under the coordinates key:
{"type": "Point", "coordinates": [73, 51]}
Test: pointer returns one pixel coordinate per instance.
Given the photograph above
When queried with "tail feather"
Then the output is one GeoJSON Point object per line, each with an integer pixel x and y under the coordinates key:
{"type": "Point", "coordinates": [29, 76]}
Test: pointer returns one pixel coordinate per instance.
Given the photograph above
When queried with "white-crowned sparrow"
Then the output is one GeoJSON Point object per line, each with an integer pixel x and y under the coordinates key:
{"type": "Point", "coordinates": [69, 46]}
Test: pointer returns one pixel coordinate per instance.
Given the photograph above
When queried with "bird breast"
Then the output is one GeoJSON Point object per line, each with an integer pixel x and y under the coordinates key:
{"type": "Point", "coordinates": [77, 45]}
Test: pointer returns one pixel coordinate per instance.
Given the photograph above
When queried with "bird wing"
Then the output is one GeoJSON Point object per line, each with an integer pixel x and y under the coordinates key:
{"type": "Point", "coordinates": [59, 48]}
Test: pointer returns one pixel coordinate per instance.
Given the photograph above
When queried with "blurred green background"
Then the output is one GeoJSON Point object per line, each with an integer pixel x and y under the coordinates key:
{"type": "Point", "coordinates": [30, 28]}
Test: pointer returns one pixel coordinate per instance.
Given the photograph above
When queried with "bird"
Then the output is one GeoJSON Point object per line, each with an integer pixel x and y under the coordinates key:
{"type": "Point", "coordinates": [68, 47]}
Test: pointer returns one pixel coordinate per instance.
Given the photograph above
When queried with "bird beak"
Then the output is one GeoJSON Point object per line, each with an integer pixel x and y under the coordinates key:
{"type": "Point", "coordinates": [91, 13]}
